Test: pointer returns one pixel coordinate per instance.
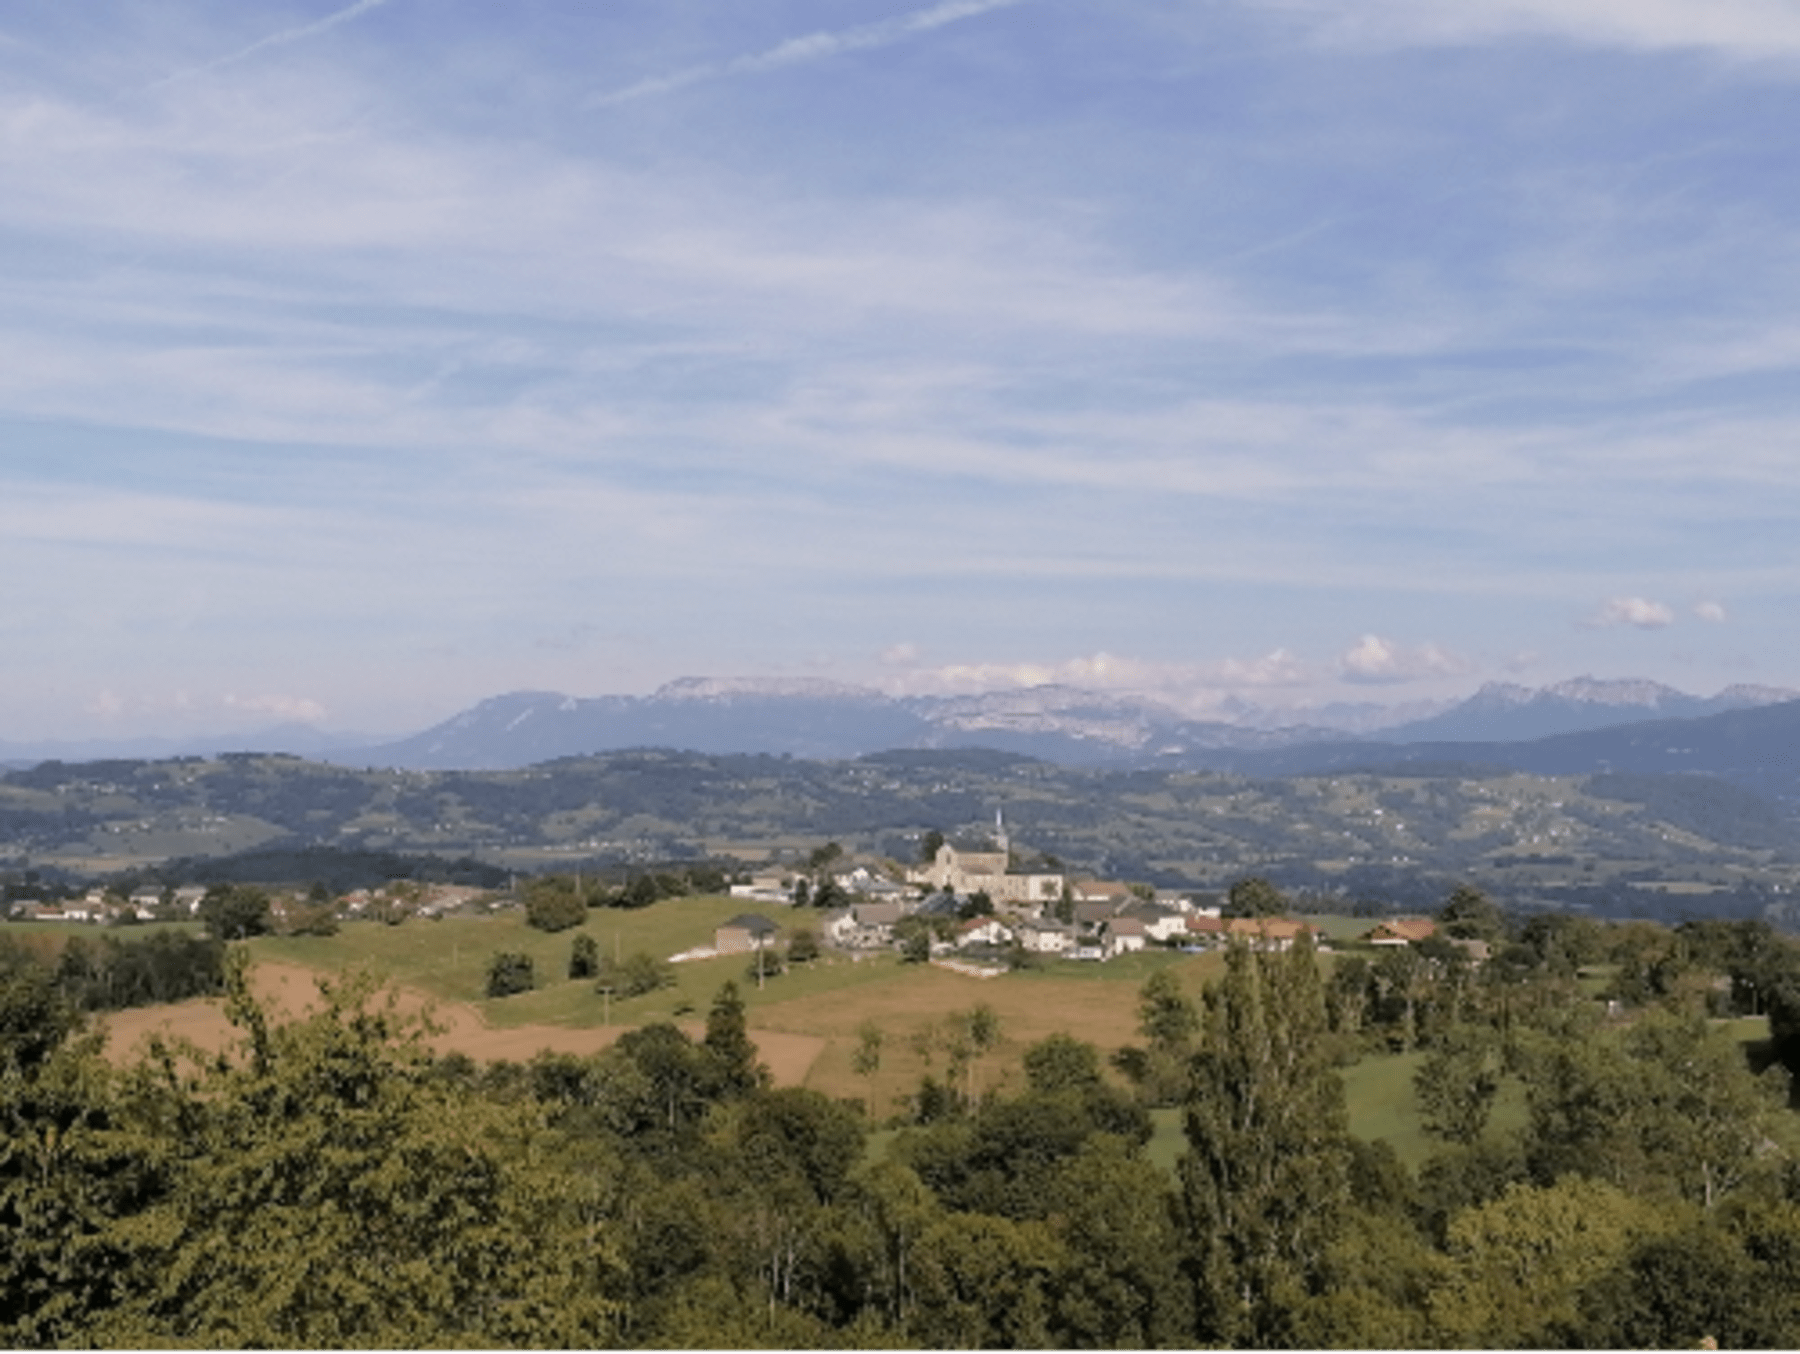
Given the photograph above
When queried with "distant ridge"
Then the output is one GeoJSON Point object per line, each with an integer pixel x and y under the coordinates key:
{"type": "Point", "coordinates": [1756, 748]}
{"type": "Point", "coordinates": [823, 719]}
{"type": "Point", "coordinates": [1505, 712]}
{"type": "Point", "coordinates": [1070, 725]}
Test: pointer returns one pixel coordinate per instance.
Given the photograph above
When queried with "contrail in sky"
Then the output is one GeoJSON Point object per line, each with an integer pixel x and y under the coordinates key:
{"type": "Point", "coordinates": [812, 47]}
{"type": "Point", "coordinates": [280, 39]}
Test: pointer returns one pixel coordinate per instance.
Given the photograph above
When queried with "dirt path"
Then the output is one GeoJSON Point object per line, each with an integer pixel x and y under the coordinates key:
{"type": "Point", "coordinates": [291, 989]}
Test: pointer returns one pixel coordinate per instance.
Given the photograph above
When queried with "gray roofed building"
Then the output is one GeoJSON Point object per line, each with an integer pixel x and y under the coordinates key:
{"type": "Point", "coordinates": [745, 933]}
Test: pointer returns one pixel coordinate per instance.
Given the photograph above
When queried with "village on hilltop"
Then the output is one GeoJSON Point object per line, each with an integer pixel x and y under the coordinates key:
{"type": "Point", "coordinates": [971, 899]}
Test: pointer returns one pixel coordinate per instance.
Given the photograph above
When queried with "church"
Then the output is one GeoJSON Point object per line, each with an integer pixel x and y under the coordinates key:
{"type": "Point", "coordinates": [979, 865]}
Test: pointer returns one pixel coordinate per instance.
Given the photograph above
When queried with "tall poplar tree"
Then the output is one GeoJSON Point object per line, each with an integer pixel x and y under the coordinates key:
{"type": "Point", "coordinates": [1266, 1176]}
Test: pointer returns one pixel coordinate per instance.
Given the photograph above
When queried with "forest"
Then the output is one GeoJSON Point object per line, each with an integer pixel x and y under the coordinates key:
{"type": "Point", "coordinates": [331, 1182]}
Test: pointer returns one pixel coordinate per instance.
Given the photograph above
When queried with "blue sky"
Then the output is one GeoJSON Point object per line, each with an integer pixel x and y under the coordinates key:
{"type": "Point", "coordinates": [360, 361]}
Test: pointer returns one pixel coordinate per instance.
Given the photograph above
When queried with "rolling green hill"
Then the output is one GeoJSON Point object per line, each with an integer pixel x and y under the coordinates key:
{"type": "Point", "coordinates": [1654, 845]}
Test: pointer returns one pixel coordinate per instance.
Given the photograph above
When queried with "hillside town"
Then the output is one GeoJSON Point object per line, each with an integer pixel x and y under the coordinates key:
{"type": "Point", "coordinates": [970, 902]}
{"type": "Point", "coordinates": [973, 901]}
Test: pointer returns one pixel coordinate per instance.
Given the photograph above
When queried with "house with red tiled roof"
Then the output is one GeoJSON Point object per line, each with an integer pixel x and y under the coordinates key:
{"type": "Point", "coordinates": [1267, 933]}
{"type": "Point", "coordinates": [1403, 931]}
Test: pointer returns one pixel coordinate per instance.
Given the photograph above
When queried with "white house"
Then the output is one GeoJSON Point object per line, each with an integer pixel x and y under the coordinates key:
{"type": "Point", "coordinates": [1045, 937]}
{"type": "Point", "coordinates": [1160, 923]}
{"type": "Point", "coordinates": [1125, 934]}
{"type": "Point", "coordinates": [983, 931]}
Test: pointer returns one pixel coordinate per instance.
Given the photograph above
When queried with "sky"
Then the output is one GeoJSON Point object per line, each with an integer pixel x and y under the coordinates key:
{"type": "Point", "coordinates": [360, 361]}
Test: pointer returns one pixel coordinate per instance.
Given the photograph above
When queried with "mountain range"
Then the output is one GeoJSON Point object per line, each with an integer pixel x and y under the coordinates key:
{"type": "Point", "coordinates": [1068, 725]}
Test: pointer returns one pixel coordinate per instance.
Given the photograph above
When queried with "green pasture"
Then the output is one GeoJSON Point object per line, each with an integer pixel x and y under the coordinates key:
{"type": "Point", "coordinates": [1339, 930]}
{"type": "Point", "coordinates": [829, 999]}
{"type": "Point", "coordinates": [1131, 968]}
{"type": "Point", "coordinates": [48, 937]}
{"type": "Point", "coordinates": [1378, 1091]}
{"type": "Point", "coordinates": [448, 956]}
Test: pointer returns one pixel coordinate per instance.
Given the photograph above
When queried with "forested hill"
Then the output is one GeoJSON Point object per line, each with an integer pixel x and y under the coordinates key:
{"type": "Point", "coordinates": [1379, 834]}
{"type": "Point", "coordinates": [1758, 749]}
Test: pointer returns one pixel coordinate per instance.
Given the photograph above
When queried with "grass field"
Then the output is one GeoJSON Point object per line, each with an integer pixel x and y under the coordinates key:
{"type": "Point", "coordinates": [829, 1000]}
{"type": "Point", "coordinates": [811, 1014]}
{"type": "Point", "coordinates": [62, 930]}
{"type": "Point", "coordinates": [1379, 1095]}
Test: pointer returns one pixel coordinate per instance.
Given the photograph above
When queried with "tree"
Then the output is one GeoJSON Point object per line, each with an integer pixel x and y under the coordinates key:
{"type": "Point", "coordinates": [1665, 1105]}
{"type": "Point", "coordinates": [1457, 1084]}
{"type": "Point", "coordinates": [1265, 1178]}
{"type": "Point", "coordinates": [803, 947]}
{"type": "Point", "coordinates": [1521, 1261]}
{"type": "Point", "coordinates": [1123, 1287]}
{"type": "Point", "coordinates": [929, 845]}
{"type": "Point", "coordinates": [1468, 915]}
{"type": "Point", "coordinates": [1061, 1062]}
{"type": "Point", "coordinates": [673, 1082]}
{"type": "Point", "coordinates": [510, 972]}
{"type": "Point", "coordinates": [235, 911]}
{"type": "Point", "coordinates": [914, 935]}
{"type": "Point", "coordinates": [319, 1162]}
{"type": "Point", "coordinates": [635, 976]}
{"type": "Point", "coordinates": [977, 904]}
{"type": "Point", "coordinates": [313, 919]}
{"type": "Point", "coordinates": [584, 957]}
{"type": "Point", "coordinates": [766, 963]}
{"type": "Point", "coordinates": [728, 1041]}
{"type": "Point", "coordinates": [1255, 897]}
{"type": "Point", "coordinates": [70, 1168]}
{"type": "Point", "coordinates": [865, 1061]}
{"type": "Point", "coordinates": [1692, 1289]}
{"type": "Point", "coordinates": [1166, 1017]}
{"type": "Point", "coordinates": [981, 1281]}
{"type": "Point", "coordinates": [554, 903]}
{"type": "Point", "coordinates": [971, 1035]}
{"type": "Point", "coordinates": [641, 891]}
{"type": "Point", "coordinates": [1169, 1021]}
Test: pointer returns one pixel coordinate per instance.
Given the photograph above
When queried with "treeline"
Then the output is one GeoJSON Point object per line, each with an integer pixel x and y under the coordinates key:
{"type": "Point", "coordinates": [332, 1183]}
{"type": "Point", "coordinates": [555, 902]}
{"type": "Point", "coordinates": [112, 972]}
{"type": "Point", "coordinates": [336, 869]}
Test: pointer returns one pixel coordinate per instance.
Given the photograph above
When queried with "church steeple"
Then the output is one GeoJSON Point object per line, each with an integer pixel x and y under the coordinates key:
{"type": "Point", "coordinates": [1000, 833]}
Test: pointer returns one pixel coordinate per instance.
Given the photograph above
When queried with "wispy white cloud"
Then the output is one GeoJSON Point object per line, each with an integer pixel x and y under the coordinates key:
{"type": "Point", "coordinates": [292, 709]}
{"type": "Point", "coordinates": [1712, 612]}
{"type": "Point", "coordinates": [1736, 28]}
{"type": "Point", "coordinates": [1373, 660]}
{"type": "Point", "coordinates": [1184, 684]}
{"type": "Point", "coordinates": [283, 38]}
{"type": "Point", "coordinates": [811, 47]}
{"type": "Point", "coordinates": [1640, 612]}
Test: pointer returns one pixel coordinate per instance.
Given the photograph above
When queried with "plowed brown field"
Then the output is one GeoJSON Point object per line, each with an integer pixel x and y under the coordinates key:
{"type": "Point", "coordinates": [291, 989]}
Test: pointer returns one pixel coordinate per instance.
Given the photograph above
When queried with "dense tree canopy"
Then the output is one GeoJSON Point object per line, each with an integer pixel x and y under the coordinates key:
{"type": "Point", "coordinates": [329, 1181]}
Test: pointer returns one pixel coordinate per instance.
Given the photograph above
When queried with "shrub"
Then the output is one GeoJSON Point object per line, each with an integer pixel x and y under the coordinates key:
{"type": "Point", "coordinates": [803, 948]}
{"type": "Point", "coordinates": [554, 904]}
{"type": "Point", "coordinates": [584, 958]}
{"type": "Point", "coordinates": [509, 972]}
{"type": "Point", "coordinates": [636, 975]}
